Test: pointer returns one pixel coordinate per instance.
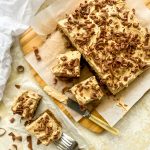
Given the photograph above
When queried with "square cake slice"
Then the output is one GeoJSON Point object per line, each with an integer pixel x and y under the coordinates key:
{"type": "Point", "coordinates": [68, 64]}
{"type": "Point", "coordinates": [87, 91]}
{"type": "Point", "coordinates": [26, 104]}
{"type": "Point", "coordinates": [46, 128]}
{"type": "Point", "coordinates": [110, 38]}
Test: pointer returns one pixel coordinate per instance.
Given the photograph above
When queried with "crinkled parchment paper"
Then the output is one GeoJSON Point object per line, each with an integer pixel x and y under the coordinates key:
{"type": "Point", "coordinates": [25, 80]}
{"type": "Point", "coordinates": [46, 22]}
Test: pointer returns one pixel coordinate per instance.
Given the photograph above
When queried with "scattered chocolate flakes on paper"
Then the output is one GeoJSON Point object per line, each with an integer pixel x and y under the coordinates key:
{"type": "Point", "coordinates": [65, 89]}
{"type": "Point", "coordinates": [19, 138]}
{"type": "Point", "coordinates": [38, 57]}
{"type": "Point", "coordinates": [2, 132]}
{"type": "Point", "coordinates": [14, 137]}
{"type": "Point", "coordinates": [20, 69]}
{"type": "Point", "coordinates": [120, 103]}
{"type": "Point", "coordinates": [17, 86]}
{"type": "Point", "coordinates": [36, 52]}
{"type": "Point", "coordinates": [15, 146]}
{"type": "Point", "coordinates": [38, 142]}
{"type": "Point", "coordinates": [27, 122]}
{"type": "Point", "coordinates": [29, 140]}
{"type": "Point", "coordinates": [68, 44]}
{"type": "Point", "coordinates": [12, 120]}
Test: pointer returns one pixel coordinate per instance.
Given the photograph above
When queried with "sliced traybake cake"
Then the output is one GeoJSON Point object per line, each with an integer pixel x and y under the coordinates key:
{"type": "Point", "coordinates": [110, 38]}
{"type": "Point", "coordinates": [26, 104]}
{"type": "Point", "coordinates": [46, 128]}
{"type": "Point", "coordinates": [68, 64]}
{"type": "Point", "coordinates": [87, 91]}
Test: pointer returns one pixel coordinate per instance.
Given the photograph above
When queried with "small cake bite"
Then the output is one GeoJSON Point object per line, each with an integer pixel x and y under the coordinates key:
{"type": "Point", "coordinates": [46, 128]}
{"type": "Point", "coordinates": [87, 91]}
{"type": "Point", "coordinates": [26, 104]}
{"type": "Point", "coordinates": [68, 64]}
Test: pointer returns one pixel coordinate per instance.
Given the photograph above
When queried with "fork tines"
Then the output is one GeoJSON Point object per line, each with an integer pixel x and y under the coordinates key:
{"type": "Point", "coordinates": [66, 143]}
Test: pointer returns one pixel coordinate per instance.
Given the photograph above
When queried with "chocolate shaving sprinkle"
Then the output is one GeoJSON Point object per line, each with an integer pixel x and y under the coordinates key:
{"type": "Point", "coordinates": [12, 120]}
{"type": "Point", "coordinates": [27, 122]}
{"type": "Point", "coordinates": [29, 140]}
{"type": "Point", "coordinates": [17, 86]}
{"type": "Point", "coordinates": [15, 146]}
{"type": "Point", "coordinates": [55, 81]}
{"type": "Point", "coordinates": [125, 78]}
{"type": "Point", "coordinates": [64, 58]}
{"type": "Point", "coordinates": [133, 11]}
{"type": "Point", "coordinates": [2, 132]}
{"type": "Point", "coordinates": [14, 137]}
{"type": "Point", "coordinates": [20, 69]}
{"type": "Point", "coordinates": [65, 89]}
{"type": "Point", "coordinates": [36, 52]}
{"type": "Point", "coordinates": [68, 45]}
{"type": "Point", "coordinates": [19, 138]}
{"type": "Point", "coordinates": [38, 142]}
{"type": "Point", "coordinates": [38, 57]}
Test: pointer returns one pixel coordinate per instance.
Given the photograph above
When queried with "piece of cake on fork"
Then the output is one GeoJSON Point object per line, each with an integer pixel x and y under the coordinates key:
{"type": "Point", "coordinates": [46, 128]}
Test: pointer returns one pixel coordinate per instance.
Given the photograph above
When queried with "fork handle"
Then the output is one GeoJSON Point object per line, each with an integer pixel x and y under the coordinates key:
{"type": "Point", "coordinates": [103, 124]}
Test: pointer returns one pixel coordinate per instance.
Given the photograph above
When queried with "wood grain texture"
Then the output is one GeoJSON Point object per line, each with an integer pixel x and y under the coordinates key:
{"type": "Point", "coordinates": [28, 40]}
{"type": "Point", "coordinates": [147, 3]}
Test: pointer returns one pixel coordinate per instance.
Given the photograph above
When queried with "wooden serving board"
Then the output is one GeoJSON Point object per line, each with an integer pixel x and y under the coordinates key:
{"type": "Point", "coordinates": [30, 39]}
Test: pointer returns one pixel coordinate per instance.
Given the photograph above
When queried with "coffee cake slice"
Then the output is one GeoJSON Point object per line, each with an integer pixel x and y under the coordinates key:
{"type": "Point", "coordinates": [68, 64]}
{"type": "Point", "coordinates": [26, 104]}
{"type": "Point", "coordinates": [87, 91]}
{"type": "Point", "coordinates": [46, 128]}
{"type": "Point", "coordinates": [110, 38]}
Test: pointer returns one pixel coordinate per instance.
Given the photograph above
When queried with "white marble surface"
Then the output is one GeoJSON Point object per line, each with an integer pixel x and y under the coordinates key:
{"type": "Point", "coordinates": [134, 127]}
